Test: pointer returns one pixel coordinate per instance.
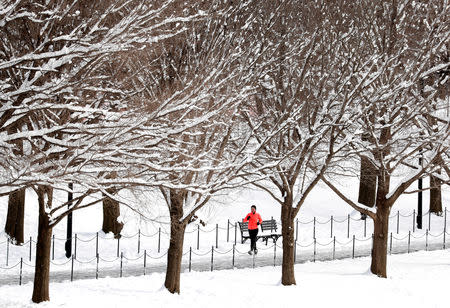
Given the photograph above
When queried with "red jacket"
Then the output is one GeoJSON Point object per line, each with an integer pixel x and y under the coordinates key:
{"type": "Point", "coordinates": [252, 220]}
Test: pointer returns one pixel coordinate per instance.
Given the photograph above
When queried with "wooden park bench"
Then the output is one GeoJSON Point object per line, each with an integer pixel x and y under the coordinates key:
{"type": "Point", "coordinates": [268, 231]}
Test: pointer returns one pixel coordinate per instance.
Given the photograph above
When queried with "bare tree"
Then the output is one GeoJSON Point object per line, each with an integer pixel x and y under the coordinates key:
{"type": "Point", "coordinates": [49, 53]}
{"type": "Point", "coordinates": [392, 128]}
{"type": "Point", "coordinates": [200, 79]}
{"type": "Point", "coordinates": [306, 90]}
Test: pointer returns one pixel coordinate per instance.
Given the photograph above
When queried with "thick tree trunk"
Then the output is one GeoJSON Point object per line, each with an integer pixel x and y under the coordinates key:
{"type": "Point", "coordinates": [15, 218]}
{"type": "Point", "coordinates": [367, 183]}
{"type": "Point", "coordinates": [174, 257]}
{"type": "Point", "coordinates": [111, 211]}
{"type": "Point", "coordinates": [175, 253]}
{"type": "Point", "coordinates": [435, 195]}
{"type": "Point", "coordinates": [380, 241]}
{"type": "Point", "coordinates": [42, 269]}
{"type": "Point", "coordinates": [381, 221]}
{"type": "Point", "coordinates": [287, 231]}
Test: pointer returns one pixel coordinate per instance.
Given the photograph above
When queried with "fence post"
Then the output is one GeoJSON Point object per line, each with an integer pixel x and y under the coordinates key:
{"type": "Point", "coordinates": [295, 251]}
{"type": "Point", "coordinates": [426, 241]}
{"type": "Point", "coordinates": [314, 227]}
{"type": "Point", "coordinates": [228, 230]}
{"type": "Point", "coordinates": [21, 265]}
{"type": "Point", "coordinates": [159, 239]}
{"type": "Point", "coordinates": [296, 229]}
{"type": "Point", "coordinates": [445, 220]}
{"type": "Point", "coordinates": [235, 232]}
{"type": "Point", "coordinates": [414, 220]}
{"type": "Point", "coordinates": [75, 248]}
{"type": "Point", "coordinates": [429, 220]}
{"type": "Point", "coordinates": [31, 240]}
{"type": "Point", "coordinates": [96, 267]}
{"type": "Point", "coordinates": [315, 242]}
{"type": "Point", "coordinates": [71, 269]}
{"type": "Point", "coordinates": [190, 258]}
{"type": "Point", "coordinates": [217, 235]}
{"type": "Point", "coordinates": [232, 262]}
{"type": "Point", "coordinates": [372, 244]}
{"type": "Point", "coordinates": [7, 251]}
{"type": "Point", "coordinates": [121, 263]}
{"type": "Point", "coordinates": [398, 221]}
{"type": "Point", "coordinates": [331, 226]}
{"type": "Point", "coordinates": [274, 253]}
{"type": "Point", "coordinates": [53, 247]}
{"type": "Point", "coordinates": [444, 241]}
{"type": "Point", "coordinates": [409, 240]}
{"type": "Point", "coordinates": [253, 260]}
{"type": "Point", "coordinates": [118, 247]}
{"type": "Point", "coordinates": [198, 237]}
{"type": "Point", "coordinates": [139, 241]}
{"type": "Point", "coordinates": [96, 244]}
{"type": "Point", "coordinates": [348, 226]}
{"type": "Point", "coordinates": [353, 251]}
{"type": "Point", "coordinates": [212, 258]}
{"type": "Point", "coordinates": [145, 260]}
{"type": "Point", "coordinates": [390, 245]}
{"type": "Point", "coordinates": [334, 247]}
{"type": "Point", "coordinates": [365, 227]}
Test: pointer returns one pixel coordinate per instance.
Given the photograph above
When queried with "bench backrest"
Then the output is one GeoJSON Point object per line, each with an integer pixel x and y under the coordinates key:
{"type": "Point", "coordinates": [244, 228]}
{"type": "Point", "coordinates": [267, 225]}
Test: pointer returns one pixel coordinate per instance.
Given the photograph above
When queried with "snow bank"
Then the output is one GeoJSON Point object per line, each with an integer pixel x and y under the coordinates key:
{"type": "Point", "coordinates": [415, 280]}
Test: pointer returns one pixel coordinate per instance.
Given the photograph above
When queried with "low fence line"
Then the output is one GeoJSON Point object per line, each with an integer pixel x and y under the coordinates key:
{"type": "Point", "coordinates": [234, 252]}
{"type": "Point", "coordinates": [229, 229]}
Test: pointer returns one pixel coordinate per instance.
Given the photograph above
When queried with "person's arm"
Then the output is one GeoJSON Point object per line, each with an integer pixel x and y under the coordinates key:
{"type": "Point", "coordinates": [260, 219]}
{"type": "Point", "coordinates": [247, 218]}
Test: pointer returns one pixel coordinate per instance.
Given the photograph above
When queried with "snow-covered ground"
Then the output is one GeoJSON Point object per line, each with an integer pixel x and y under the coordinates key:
{"type": "Point", "coordinates": [231, 206]}
{"type": "Point", "coordinates": [414, 280]}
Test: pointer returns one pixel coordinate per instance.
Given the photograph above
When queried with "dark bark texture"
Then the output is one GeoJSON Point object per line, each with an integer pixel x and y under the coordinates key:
{"type": "Point", "coordinates": [42, 269]}
{"type": "Point", "coordinates": [435, 195]}
{"type": "Point", "coordinates": [287, 230]}
{"type": "Point", "coordinates": [175, 253]}
{"type": "Point", "coordinates": [367, 183]}
{"type": "Point", "coordinates": [111, 211]}
{"type": "Point", "coordinates": [381, 221]}
{"type": "Point", "coordinates": [15, 219]}
{"type": "Point", "coordinates": [380, 241]}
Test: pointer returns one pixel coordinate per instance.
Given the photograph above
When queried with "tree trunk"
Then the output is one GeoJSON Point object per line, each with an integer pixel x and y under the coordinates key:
{"type": "Point", "coordinates": [381, 221]}
{"type": "Point", "coordinates": [111, 211]}
{"type": "Point", "coordinates": [435, 195]}
{"type": "Point", "coordinates": [15, 219]}
{"type": "Point", "coordinates": [174, 257]}
{"type": "Point", "coordinates": [287, 231]}
{"type": "Point", "coordinates": [367, 183]}
{"type": "Point", "coordinates": [380, 241]}
{"type": "Point", "coordinates": [175, 253]}
{"type": "Point", "coordinates": [42, 269]}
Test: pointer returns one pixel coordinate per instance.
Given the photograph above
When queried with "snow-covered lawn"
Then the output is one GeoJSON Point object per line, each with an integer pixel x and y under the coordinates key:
{"type": "Point", "coordinates": [415, 280]}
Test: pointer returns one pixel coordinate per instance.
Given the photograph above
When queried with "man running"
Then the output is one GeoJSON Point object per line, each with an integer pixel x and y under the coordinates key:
{"type": "Point", "coordinates": [254, 219]}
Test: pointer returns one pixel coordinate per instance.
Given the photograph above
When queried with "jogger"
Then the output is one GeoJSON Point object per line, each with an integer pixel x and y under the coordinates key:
{"type": "Point", "coordinates": [254, 219]}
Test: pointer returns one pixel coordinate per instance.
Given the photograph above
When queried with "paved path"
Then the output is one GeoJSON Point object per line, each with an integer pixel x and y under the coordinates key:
{"type": "Point", "coordinates": [203, 263]}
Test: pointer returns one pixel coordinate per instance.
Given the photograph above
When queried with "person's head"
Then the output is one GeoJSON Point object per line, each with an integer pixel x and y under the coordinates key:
{"type": "Point", "coordinates": [253, 209]}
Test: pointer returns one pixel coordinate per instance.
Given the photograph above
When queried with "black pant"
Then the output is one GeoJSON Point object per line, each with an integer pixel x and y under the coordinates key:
{"type": "Point", "coordinates": [253, 233]}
